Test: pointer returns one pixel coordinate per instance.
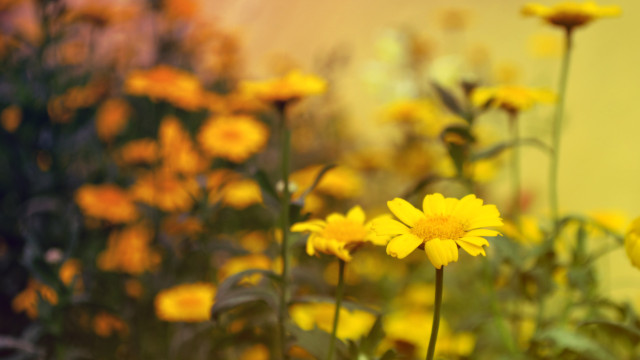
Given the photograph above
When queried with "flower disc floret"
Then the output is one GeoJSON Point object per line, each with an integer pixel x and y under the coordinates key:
{"type": "Point", "coordinates": [440, 228]}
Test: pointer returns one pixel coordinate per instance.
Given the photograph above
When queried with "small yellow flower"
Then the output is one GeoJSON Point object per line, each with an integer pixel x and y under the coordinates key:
{"type": "Point", "coordinates": [128, 251]}
{"type": "Point", "coordinates": [112, 118]}
{"type": "Point", "coordinates": [70, 272]}
{"type": "Point", "coordinates": [340, 182]}
{"type": "Point", "coordinates": [241, 194]}
{"type": "Point", "coordinates": [352, 326]}
{"type": "Point", "coordinates": [293, 86]}
{"type": "Point", "coordinates": [510, 98]}
{"type": "Point", "coordinates": [105, 325]}
{"type": "Point", "coordinates": [570, 14]}
{"type": "Point", "coordinates": [235, 138]}
{"type": "Point", "coordinates": [256, 352]}
{"type": "Point", "coordinates": [442, 226]}
{"type": "Point", "coordinates": [27, 300]}
{"type": "Point", "coordinates": [632, 243]}
{"type": "Point", "coordinates": [137, 152]}
{"type": "Point", "coordinates": [166, 83]}
{"type": "Point", "coordinates": [239, 264]}
{"type": "Point", "coordinates": [187, 302]}
{"type": "Point", "coordinates": [339, 235]}
{"type": "Point", "coordinates": [107, 202]}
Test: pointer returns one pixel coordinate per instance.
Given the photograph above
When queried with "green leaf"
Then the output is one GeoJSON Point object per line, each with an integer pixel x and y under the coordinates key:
{"type": "Point", "coordinates": [369, 344]}
{"type": "Point", "coordinates": [449, 101]}
{"type": "Point", "coordinates": [620, 329]}
{"type": "Point", "coordinates": [242, 296]}
{"type": "Point", "coordinates": [574, 342]}
{"type": "Point", "coordinates": [389, 355]}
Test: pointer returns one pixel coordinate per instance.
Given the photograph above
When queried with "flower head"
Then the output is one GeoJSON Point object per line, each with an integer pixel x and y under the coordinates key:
{"type": "Point", "coordinates": [107, 202]}
{"type": "Point", "coordinates": [105, 325]}
{"type": "Point", "coordinates": [442, 226]}
{"type": "Point", "coordinates": [28, 299]}
{"type": "Point", "coordinates": [293, 86]}
{"type": "Point", "coordinates": [632, 243]}
{"type": "Point", "coordinates": [512, 99]}
{"type": "Point", "coordinates": [235, 138]}
{"type": "Point", "coordinates": [166, 191]}
{"type": "Point", "coordinates": [128, 251]}
{"type": "Point", "coordinates": [339, 235]}
{"type": "Point", "coordinates": [177, 148]}
{"type": "Point", "coordinates": [187, 302]}
{"type": "Point", "coordinates": [163, 82]}
{"type": "Point", "coordinates": [570, 14]}
{"type": "Point", "coordinates": [352, 326]}
{"type": "Point", "coordinates": [111, 118]}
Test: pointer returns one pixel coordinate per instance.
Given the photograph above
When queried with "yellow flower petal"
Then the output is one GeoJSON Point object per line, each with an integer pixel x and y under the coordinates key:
{"type": "Point", "coordinates": [471, 249]}
{"type": "Point", "coordinates": [356, 214]}
{"type": "Point", "coordinates": [483, 232]}
{"type": "Point", "coordinates": [404, 211]}
{"type": "Point", "coordinates": [433, 204]}
{"type": "Point", "coordinates": [311, 225]}
{"type": "Point", "coordinates": [403, 245]}
{"type": "Point", "coordinates": [441, 252]}
{"type": "Point", "coordinates": [386, 226]}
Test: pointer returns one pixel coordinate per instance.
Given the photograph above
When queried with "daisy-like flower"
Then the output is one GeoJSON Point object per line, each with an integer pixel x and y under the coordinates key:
{"type": "Point", "coordinates": [339, 235]}
{"type": "Point", "coordinates": [107, 202]}
{"type": "Point", "coordinates": [512, 99]}
{"type": "Point", "coordinates": [163, 82]}
{"type": "Point", "coordinates": [570, 14]}
{"type": "Point", "coordinates": [442, 226]}
{"type": "Point", "coordinates": [293, 86]}
{"type": "Point", "coordinates": [632, 243]}
{"type": "Point", "coordinates": [187, 302]}
{"type": "Point", "coordinates": [234, 138]}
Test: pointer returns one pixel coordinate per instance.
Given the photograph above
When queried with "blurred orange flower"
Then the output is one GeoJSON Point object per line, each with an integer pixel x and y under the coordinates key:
{"type": "Point", "coordinates": [27, 300]}
{"type": "Point", "coordinates": [111, 118]}
{"type": "Point", "coordinates": [235, 138]}
{"type": "Point", "coordinates": [187, 302]}
{"type": "Point", "coordinates": [106, 202]}
{"type": "Point", "coordinates": [166, 83]}
{"type": "Point", "coordinates": [178, 150]}
{"type": "Point", "coordinates": [105, 325]}
{"type": "Point", "coordinates": [70, 272]}
{"type": "Point", "coordinates": [128, 251]}
{"type": "Point", "coordinates": [166, 191]}
{"type": "Point", "coordinates": [140, 151]}
{"type": "Point", "coordinates": [10, 118]}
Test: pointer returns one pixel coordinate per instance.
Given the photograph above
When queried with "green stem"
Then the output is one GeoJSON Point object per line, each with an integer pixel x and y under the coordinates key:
{"type": "Point", "coordinates": [336, 316]}
{"type": "Point", "coordinates": [516, 184]}
{"type": "Point", "coordinates": [557, 127]}
{"type": "Point", "coordinates": [284, 221]}
{"type": "Point", "coordinates": [436, 314]}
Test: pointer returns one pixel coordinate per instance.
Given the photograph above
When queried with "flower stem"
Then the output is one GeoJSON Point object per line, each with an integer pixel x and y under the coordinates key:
{"type": "Point", "coordinates": [336, 316]}
{"type": "Point", "coordinates": [436, 314]}
{"type": "Point", "coordinates": [284, 222]}
{"type": "Point", "coordinates": [557, 127]}
{"type": "Point", "coordinates": [516, 184]}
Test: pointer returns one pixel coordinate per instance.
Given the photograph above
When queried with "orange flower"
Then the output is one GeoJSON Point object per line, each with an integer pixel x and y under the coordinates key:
{"type": "Point", "coordinates": [105, 324]}
{"type": "Point", "coordinates": [166, 83]}
{"type": "Point", "coordinates": [178, 151]}
{"type": "Point", "coordinates": [112, 118]}
{"type": "Point", "coordinates": [28, 299]}
{"type": "Point", "coordinates": [70, 272]}
{"type": "Point", "coordinates": [187, 302]}
{"type": "Point", "coordinates": [140, 151]}
{"type": "Point", "coordinates": [106, 202]}
{"type": "Point", "coordinates": [235, 138]}
{"type": "Point", "coordinates": [166, 191]}
{"type": "Point", "coordinates": [128, 251]}
{"type": "Point", "coordinates": [10, 118]}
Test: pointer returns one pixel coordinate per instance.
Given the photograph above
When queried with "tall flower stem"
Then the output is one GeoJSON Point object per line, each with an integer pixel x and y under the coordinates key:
{"type": "Point", "coordinates": [285, 138]}
{"type": "Point", "coordinates": [557, 127]}
{"type": "Point", "coordinates": [436, 314]}
{"type": "Point", "coordinates": [336, 316]}
{"type": "Point", "coordinates": [516, 183]}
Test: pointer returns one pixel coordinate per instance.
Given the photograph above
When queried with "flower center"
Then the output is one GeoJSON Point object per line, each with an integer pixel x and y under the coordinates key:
{"type": "Point", "coordinates": [344, 231]}
{"type": "Point", "coordinates": [439, 227]}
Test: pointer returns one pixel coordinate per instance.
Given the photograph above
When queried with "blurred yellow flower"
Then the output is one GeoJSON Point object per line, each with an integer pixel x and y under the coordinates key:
{"type": "Point", "coordinates": [529, 230]}
{"type": "Point", "coordinates": [27, 300]}
{"type": "Point", "coordinates": [352, 326]}
{"type": "Point", "coordinates": [128, 251]}
{"type": "Point", "coordinates": [185, 303]}
{"type": "Point", "coordinates": [340, 182]}
{"type": "Point", "coordinates": [239, 264]}
{"type": "Point", "coordinates": [293, 86]}
{"type": "Point", "coordinates": [70, 272]}
{"type": "Point", "coordinates": [178, 151]}
{"type": "Point", "coordinates": [166, 191]}
{"type": "Point", "coordinates": [138, 152]}
{"type": "Point", "coordinates": [255, 241]}
{"type": "Point", "coordinates": [105, 325]}
{"type": "Point", "coordinates": [423, 114]}
{"type": "Point", "coordinates": [570, 14]}
{"type": "Point", "coordinates": [239, 194]}
{"type": "Point", "coordinates": [256, 352]}
{"type": "Point", "coordinates": [111, 118]}
{"type": "Point", "coordinates": [106, 202]}
{"type": "Point", "coordinates": [235, 138]}
{"type": "Point", "coordinates": [512, 99]}
{"type": "Point", "coordinates": [442, 226]}
{"type": "Point", "coordinates": [10, 118]}
{"type": "Point", "coordinates": [166, 83]}
{"type": "Point", "coordinates": [632, 243]}
{"type": "Point", "coordinates": [339, 235]}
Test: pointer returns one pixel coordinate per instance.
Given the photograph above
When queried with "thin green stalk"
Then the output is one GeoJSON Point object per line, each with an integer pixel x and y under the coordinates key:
{"type": "Point", "coordinates": [284, 221]}
{"type": "Point", "coordinates": [557, 127]}
{"type": "Point", "coordinates": [336, 316]}
{"type": "Point", "coordinates": [436, 314]}
{"type": "Point", "coordinates": [516, 184]}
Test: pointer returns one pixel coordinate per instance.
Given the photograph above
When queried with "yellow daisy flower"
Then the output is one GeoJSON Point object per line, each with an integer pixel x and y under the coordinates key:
{"type": "Point", "coordinates": [339, 235]}
{"type": "Point", "coordinates": [570, 14]}
{"type": "Point", "coordinates": [442, 226]}
{"type": "Point", "coordinates": [166, 191]}
{"type": "Point", "coordinates": [187, 302]}
{"type": "Point", "coordinates": [510, 98]}
{"type": "Point", "coordinates": [293, 86]}
{"type": "Point", "coordinates": [164, 82]}
{"type": "Point", "coordinates": [235, 138]}
{"type": "Point", "coordinates": [632, 243]}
